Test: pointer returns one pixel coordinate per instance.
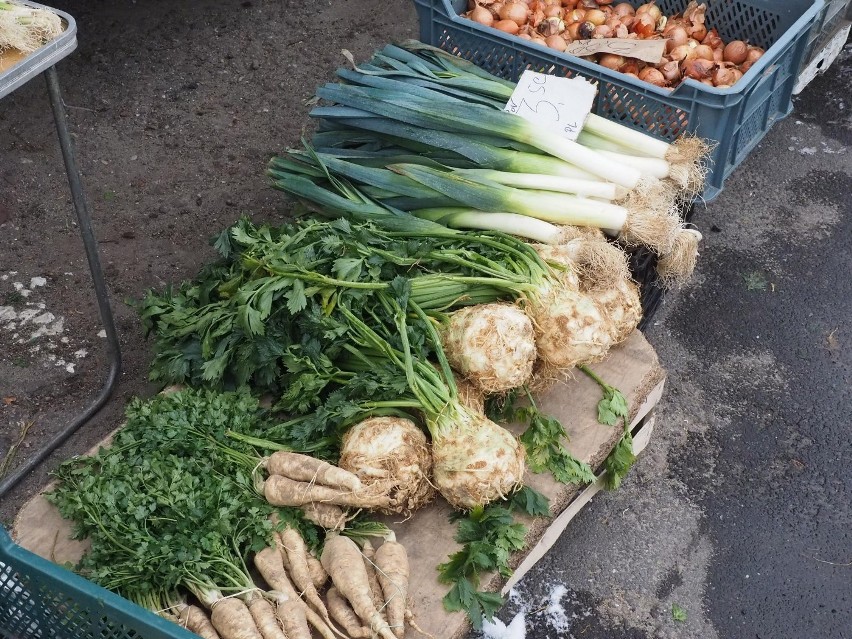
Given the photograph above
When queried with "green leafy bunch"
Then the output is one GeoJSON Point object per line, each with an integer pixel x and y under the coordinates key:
{"type": "Point", "coordinates": [489, 535]}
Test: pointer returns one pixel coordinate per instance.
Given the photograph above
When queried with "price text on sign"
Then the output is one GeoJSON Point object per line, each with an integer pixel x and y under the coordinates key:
{"type": "Point", "coordinates": [558, 104]}
{"type": "Point", "coordinates": [646, 50]}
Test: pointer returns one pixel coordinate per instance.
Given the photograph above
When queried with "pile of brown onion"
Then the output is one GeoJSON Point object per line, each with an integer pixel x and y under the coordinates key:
{"type": "Point", "coordinates": [692, 50]}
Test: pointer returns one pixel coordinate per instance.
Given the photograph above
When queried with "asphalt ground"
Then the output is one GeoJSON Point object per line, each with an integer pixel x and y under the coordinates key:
{"type": "Point", "coordinates": [738, 514]}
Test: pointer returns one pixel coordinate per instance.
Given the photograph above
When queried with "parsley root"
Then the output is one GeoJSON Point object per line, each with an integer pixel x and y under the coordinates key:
{"type": "Point", "coordinates": [283, 491]}
{"type": "Point", "coordinates": [297, 553]}
{"type": "Point", "coordinates": [393, 571]}
{"type": "Point", "coordinates": [328, 516]}
{"type": "Point", "coordinates": [369, 554]}
{"type": "Point", "coordinates": [264, 616]}
{"type": "Point", "coordinates": [291, 609]}
{"type": "Point", "coordinates": [196, 620]}
{"type": "Point", "coordinates": [343, 614]}
{"type": "Point", "coordinates": [310, 469]}
{"type": "Point", "coordinates": [232, 619]}
{"type": "Point", "coordinates": [318, 574]}
{"type": "Point", "coordinates": [343, 562]}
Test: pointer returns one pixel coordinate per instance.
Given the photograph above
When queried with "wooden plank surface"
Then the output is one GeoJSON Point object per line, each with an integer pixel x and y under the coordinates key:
{"type": "Point", "coordinates": [428, 535]}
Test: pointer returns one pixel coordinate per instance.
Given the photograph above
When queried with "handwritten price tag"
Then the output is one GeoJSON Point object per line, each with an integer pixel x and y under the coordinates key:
{"type": "Point", "coordinates": [559, 104]}
{"type": "Point", "coordinates": [647, 50]}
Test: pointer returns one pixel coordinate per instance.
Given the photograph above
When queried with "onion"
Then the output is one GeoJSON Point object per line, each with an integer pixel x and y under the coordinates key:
{"type": "Point", "coordinates": [703, 51]}
{"type": "Point", "coordinates": [754, 54]}
{"type": "Point", "coordinates": [712, 39]}
{"type": "Point", "coordinates": [718, 55]}
{"type": "Point", "coordinates": [611, 61]}
{"type": "Point", "coordinates": [539, 40]}
{"type": "Point", "coordinates": [698, 31]}
{"type": "Point", "coordinates": [676, 38]}
{"type": "Point", "coordinates": [621, 31]}
{"type": "Point", "coordinates": [736, 52]}
{"type": "Point", "coordinates": [553, 11]}
{"type": "Point", "coordinates": [631, 67]}
{"type": "Point", "coordinates": [481, 15]}
{"type": "Point", "coordinates": [602, 31]}
{"type": "Point", "coordinates": [698, 68]}
{"type": "Point", "coordinates": [652, 10]}
{"type": "Point", "coordinates": [509, 26]}
{"type": "Point", "coordinates": [585, 31]}
{"type": "Point", "coordinates": [517, 12]}
{"type": "Point", "coordinates": [551, 27]}
{"type": "Point", "coordinates": [574, 16]}
{"type": "Point", "coordinates": [724, 76]}
{"type": "Point", "coordinates": [643, 25]}
{"type": "Point", "coordinates": [393, 453]}
{"type": "Point", "coordinates": [707, 81]}
{"type": "Point", "coordinates": [652, 76]}
{"type": "Point", "coordinates": [495, 9]}
{"type": "Point", "coordinates": [573, 30]}
{"type": "Point", "coordinates": [556, 42]}
{"type": "Point", "coordinates": [613, 22]}
{"type": "Point", "coordinates": [682, 52]}
{"type": "Point", "coordinates": [595, 16]}
{"type": "Point", "coordinates": [623, 9]}
{"type": "Point", "coordinates": [671, 71]}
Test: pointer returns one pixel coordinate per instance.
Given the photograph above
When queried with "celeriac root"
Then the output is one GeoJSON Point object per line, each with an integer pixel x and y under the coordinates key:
{"type": "Point", "coordinates": [493, 345]}
{"type": "Point", "coordinates": [390, 455]}
{"type": "Point", "coordinates": [342, 613]}
{"type": "Point", "coordinates": [676, 266]}
{"type": "Point", "coordinates": [310, 469]}
{"type": "Point", "coordinates": [470, 396]}
{"type": "Point", "coordinates": [342, 560]}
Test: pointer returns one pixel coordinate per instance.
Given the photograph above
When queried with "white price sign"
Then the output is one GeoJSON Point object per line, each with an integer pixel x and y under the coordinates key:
{"type": "Point", "coordinates": [559, 104]}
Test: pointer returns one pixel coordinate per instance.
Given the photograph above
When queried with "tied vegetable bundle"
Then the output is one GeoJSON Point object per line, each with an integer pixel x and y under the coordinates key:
{"type": "Point", "coordinates": [420, 131]}
{"type": "Point", "coordinates": [173, 519]}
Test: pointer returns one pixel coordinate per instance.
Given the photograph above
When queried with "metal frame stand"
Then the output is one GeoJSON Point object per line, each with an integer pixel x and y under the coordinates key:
{"type": "Point", "coordinates": [90, 245]}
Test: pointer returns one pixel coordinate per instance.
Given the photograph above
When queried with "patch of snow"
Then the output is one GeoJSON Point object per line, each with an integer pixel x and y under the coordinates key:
{"type": "Point", "coordinates": [556, 616]}
{"type": "Point", "coordinates": [7, 314]}
{"type": "Point", "coordinates": [808, 150]}
{"type": "Point", "coordinates": [44, 318]}
{"type": "Point", "coordinates": [53, 329]}
{"type": "Point", "coordinates": [64, 340]}
{"type": "Point", "coordinates": [498, 630]}
{"type": "Point", "coordinates": [102, 333]}
{"type": "Point", "coordinates": [37, 281]}
{"type": "Point", "coordinates": [27, 314]}
{"type": "Point", "coordinates": [80, 354]}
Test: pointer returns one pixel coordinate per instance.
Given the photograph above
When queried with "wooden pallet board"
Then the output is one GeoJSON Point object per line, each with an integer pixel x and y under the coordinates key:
{"type": "Point", "coordinates": [428, 535]}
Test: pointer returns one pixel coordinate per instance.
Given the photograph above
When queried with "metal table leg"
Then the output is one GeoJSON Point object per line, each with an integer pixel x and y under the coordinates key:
{"type": "Point", "coordinates": [91, 247]}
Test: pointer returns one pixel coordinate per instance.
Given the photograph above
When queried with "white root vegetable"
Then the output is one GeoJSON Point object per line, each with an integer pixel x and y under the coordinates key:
{"type": "Point", "coordinates": [390, 454]}
{"type": "Point", "coordinates": [369, 555]}
{"type": "Point", "coordinates": [264, 617]}
{"type": "Point", "coordinates": [392, 570]}
{"type": "Point", "coordinates": [297, 556]}
{"type": "Point", "coordinates": [343, 614]}
{"type": "Point", "coordinates": [312, 470]}
{"type": "Point", "coordinates": [283, 491]}
{"type": "Point", "coordinates": [329, 516]}
{"type": "Point", "coordinates": [293, 613]}
{"type": "Point", "coordinates": [475, 460]}
{"type": "Point", "coordinates": [493, 345]}
{"type": "Point", "coordinates": [195, 620]}
{"type": "Point", "coordinates": [318, 574]}
{"type": "Point", "coordinates": [232, 620]}
{"type": "Point", "coordinates": [342, 561]}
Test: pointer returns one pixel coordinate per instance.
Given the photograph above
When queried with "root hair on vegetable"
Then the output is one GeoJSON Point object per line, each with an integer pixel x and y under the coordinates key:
{"type": "Point", "coordinates": [651, 193]}
{"type": "Point", "coordinates": [676, 266]}
{"type": "Point", "coordinates": [654, 229]}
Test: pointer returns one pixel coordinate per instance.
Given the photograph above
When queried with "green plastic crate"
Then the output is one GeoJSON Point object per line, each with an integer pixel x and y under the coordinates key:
{"type": "Point", "coordinates": [41, 600]}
